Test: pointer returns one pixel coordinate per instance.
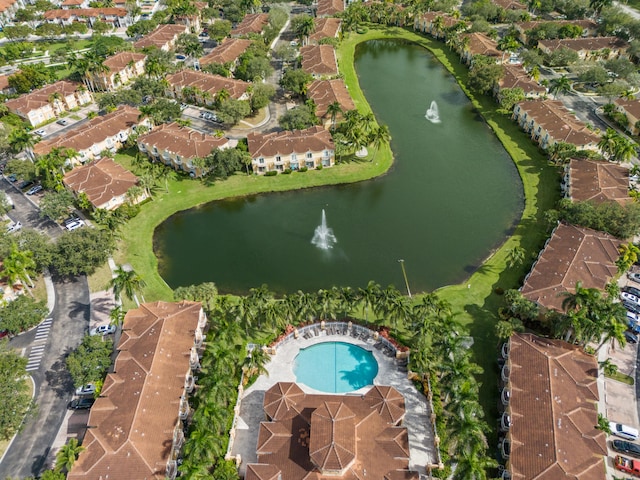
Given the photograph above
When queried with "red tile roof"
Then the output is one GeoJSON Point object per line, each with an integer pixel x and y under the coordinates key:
{"type": "Point", "coordinates": [590, 44]}
{"type": "Point", "coordinates": [161, 36]}
{"type": "Point", "coordinates": [598, 182]}
{"type": "Point", "coordinates": [514, 76]}
{"type": "Point", "coordinates": [121, 60]}
{"type": "Point", "coordinates": [41, 97]}
{"type": "Point", "coordinates": [207, 82]}
{"type": "Point", "coordinates": [134, 419]}
{"type": "Point", "coordinates": [326, 92]}
{"type": "Point", "coordinates": [101, 180]}
{"type": "Point", "coordinates": [227, 51]}
{"type": "Point", "coordinates": [96, 130]}
{"type": "Point", "coordinates": [327, 27]}
{"type": "Point", "coordinates": [315, 437]}
{"type": "Point", "coordinates": [481, 44]}
{"type": "Point", "coordinates": [182, 141]}
{"type": "Point", "coordinates": [251, 23]}
{"type": "Point", "coordinates": [86, 13]}
{"type": "Point", "coordinates": [553, 409]}
{"type": "Point", "coordinates": [314, 139]}
{"type": "Point", "coordinates": [329, 8]}
{"type": "Point", "coordinates": [630, 106]}
{"type": "Point", "coordinates": [572, 254]}
{"type": "Point", "coordinates": [319, 60]}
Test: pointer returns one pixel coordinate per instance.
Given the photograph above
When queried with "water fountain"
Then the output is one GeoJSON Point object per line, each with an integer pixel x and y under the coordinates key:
{"type": "Point", "coordinates": [323, 236]}
{"type": "Point", "coordinates": [432, 113]}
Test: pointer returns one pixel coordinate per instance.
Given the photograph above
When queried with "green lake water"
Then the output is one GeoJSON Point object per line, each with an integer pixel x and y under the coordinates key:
{"type": "Point", "coordinates": [452, 196]}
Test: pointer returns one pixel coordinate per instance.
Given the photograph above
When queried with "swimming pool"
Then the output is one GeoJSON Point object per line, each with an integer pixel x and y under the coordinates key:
{"type": "Point", "coordinates": [335, 367]}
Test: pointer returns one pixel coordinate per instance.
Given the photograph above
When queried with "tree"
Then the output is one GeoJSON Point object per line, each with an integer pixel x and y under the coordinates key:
{"type": "Point", "coordinates": [100, 28]}
{"type": "Point", "coordinates": [219, 29]}
{"type": "Point", "coordinates": [561, 84]}
{"type": "Point", "coordinates": [19, 265]}
{"type": "Point", "coordinates": [90, 361]}
{"type": "Point", "coordinates": [15, 400]}
{"type": "Point", "coordinates": [126, 281]}
{"type": "Point", "coordinates": [67, 455]}
{"type": "Point", "coordinates": [296, 81]}
{"type": "Point", "coordinates": [81, 251]}
{"type": "Point", "coordinates": [158, 63]}
{"type": "Point", "coordinates": [509, 97]}
{"type": "Point", "coordinates": [298, 118]}
{"type": "Point", "coordinates": [484, 73]}
{"type": "Point", "coordinates": [231, 111]}
{"type": "Point", "coordinates": [628, 256]}
{"type": "Point", "coordinates": [562, 56]}
{"type": "Point", "coordinates": [508, 44]}
{"type": "Point", "coordinates": [333, 110]}
{"type": "Point", "coordinates": [516, 257]}
{"type": "Point", "coordinates": [380, 136]}
{"type": "Point", "coordinates": [303, 26]}
{"type": "Point", "coordinates": [56, 205]}
{"type": "Point", "coordinates": [207, 293]}
{"type": "Point", "coordinates": [22, 314]}
{"type": "Point", "coordinates": [262, 95]}
{"type": "Point", "coordinates": [189, 44]}
{"type": "Point", "coordinates": [116, 316]}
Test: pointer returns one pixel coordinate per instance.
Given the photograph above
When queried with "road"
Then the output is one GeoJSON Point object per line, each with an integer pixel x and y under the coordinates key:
{"type": "Point", "coordinates": [46, 347]}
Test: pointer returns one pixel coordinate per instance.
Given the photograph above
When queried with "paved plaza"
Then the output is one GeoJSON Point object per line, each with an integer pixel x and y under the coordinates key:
{"type": "Point", "coordinates": [417, 417]}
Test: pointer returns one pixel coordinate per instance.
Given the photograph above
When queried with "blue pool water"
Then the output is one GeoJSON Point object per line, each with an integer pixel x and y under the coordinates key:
{"type": "Point", "coordinates": [335, 367]}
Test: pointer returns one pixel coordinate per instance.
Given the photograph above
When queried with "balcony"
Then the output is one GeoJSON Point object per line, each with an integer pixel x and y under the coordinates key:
{"type": "Point", "coordinates": [505, 396]}
{"type": "Point", "coordinates": [189, 383]}
{"type": "Point", "coordinates": [194, 360]}
{"type": "Point", "coordinates": [184, 409]}
{"type": "Point", "coordinates": [172, 469]}
{"type": "Point", "coordinates": [504, 374]}
{"type": "Point", "coordinates": [505, 448]}
{"type": "Point", "coordinates": [199, 338]}
{"type": "Point", "coordinates": [505, 422]}
{"type": "Point", "coordinates": [506, 348]}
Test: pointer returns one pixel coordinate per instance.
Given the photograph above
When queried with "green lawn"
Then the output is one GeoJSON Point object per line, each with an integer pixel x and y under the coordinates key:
{"type": "Point", "coordinates": [474, 301]}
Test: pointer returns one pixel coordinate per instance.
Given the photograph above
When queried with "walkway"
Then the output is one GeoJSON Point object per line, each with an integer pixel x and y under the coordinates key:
{"type": "Point", "coordinates": [417, 416]}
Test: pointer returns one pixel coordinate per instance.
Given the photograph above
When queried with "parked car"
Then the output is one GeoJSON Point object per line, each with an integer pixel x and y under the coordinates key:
{"type": "Point", "coordinates": [627, 465]}
{"type": "Point", "coordinates": [183, 106]}
{"type": "Point", "coordinates": [632, 336]}
{"type": "Point", "coordinates": [631, 307]}
{"type": "Point", "coordinates": [88, 389]}
{"type": "Point", "coordinates": [629, 448]}
{"type": "Point", "coordinates": [103, 330]}
{"type": "Point", "coordinates": [40, 132]}
{"type": "Point", "coordinates": [635, 276]}
{"type": "Point", "coordinates": [623, 431]}
{"type": "Point", "coordinates": [632, 290]}
{"type": "Point", "coordinates": [14, 227]}
{"type": "Point", "coordinates": [62, 122]}
{"type": "Point", "coordinates": [81, 403]}
{"type": "Point", "coordinates": [34, 190]}
{"type": "Point", "coordinates": [70, 219]}
{"type": "Point", "coordinates": [629, 298]}
{"type": "Point", "coordinates": [181, 57]}
{"type": "Point", "coordinates": [12, 178]}
{"type": "Point", "coordinates": [75, 225]}
{"type": "Point", "coordinates": [25, 184]}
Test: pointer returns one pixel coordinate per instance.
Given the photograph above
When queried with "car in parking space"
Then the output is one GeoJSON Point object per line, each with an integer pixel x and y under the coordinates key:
{"type": "Point", "coordinates": [12, 178]}
{"type": "Point", "coordinates": [72, 218]}
{"type": "Point", "coordinates": [75, 225]}
{"type": "Point", "coordinates": [627, 465]}
{"type": "Point", "coordinates": [631, 307]}
{"type": "Point", "coordinates": [14, 227]}
{"type": "Point", "coordinates": [181, 57]}
{"type": "Point", "coordinates": [62, 122]}
{"type": "Point", "coordinates": [632, 290]}
{"type": "Point", "coordinates": [630, 337]}
{"type": "Point", "coordinates": [40, 132]}
{"type": "Point", "coordinates": [623, 431]}
{"type": "Point", "coordinates": [629, 298]}
{"type": "Point", "coordinates": [183, 106]}
{"type": "Point", "coordinates": [88, 389]}
{"type": "Point", "coordinates": [35, 189]}
{"type": "Point", "coordinates": [25, 184]}
{"type": "Point", "coordinates": [81, 403]}
{"type": "Point", "coordinates": [635, 276]}
{"type": "Point", "coordinates": [629, 448]}
{"type": "Point", "coordinates": [103, 330]}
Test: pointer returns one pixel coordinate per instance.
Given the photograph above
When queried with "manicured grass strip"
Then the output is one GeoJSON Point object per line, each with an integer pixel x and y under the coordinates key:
{"type": "Point", "coordinates": [621, 377]}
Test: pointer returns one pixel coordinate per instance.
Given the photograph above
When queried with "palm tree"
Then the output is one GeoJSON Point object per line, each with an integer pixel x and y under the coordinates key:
{"type": "Point", "coordinates": [67, 455]}
{"type": "Point", "coordinates": [507, 44]}
{"type": "Point", "coordinates": [20, 139]}
{"type": "Point", "coordinates": [608, 367]}
{"type": "Point", "coordinates": [625, 149]}
{"type": "Point", "coordinates": [116, 316]}
{"type": "Point", "coordinates": [126, 281]}
{"type": "Point", "coordinates": [516, 256]}
{"type": "Point", "coordinates": [474, 466]}
{"type": "Point", "coordinates": [607, 143]}
{"type": "Point", "coordinates": [379, 137]}
{"type": "Point", "coordinates": [334, 109]}
{"type": "Point", "coordinates": [305, 27]}
{"type": "Point", "coordinates": [19, 265]}
{"type": "Point", "coordinates": [560, 85]}
{"type": "Point", "coordinates": [628, 256]}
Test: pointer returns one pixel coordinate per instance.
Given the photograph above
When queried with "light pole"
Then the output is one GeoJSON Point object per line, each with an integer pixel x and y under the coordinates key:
{"type": "Point", "coordinates": [404, 273]}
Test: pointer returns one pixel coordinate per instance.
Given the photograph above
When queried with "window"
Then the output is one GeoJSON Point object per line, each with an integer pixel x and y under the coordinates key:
{"type": "Point", "coordinates": [261, 160]}
{"type": "Point", "coordinates": [309, 155]}
{"type": "Point", "coordinates": [278, 158]}
{"type": "Point", "coordinates": [294, 157]}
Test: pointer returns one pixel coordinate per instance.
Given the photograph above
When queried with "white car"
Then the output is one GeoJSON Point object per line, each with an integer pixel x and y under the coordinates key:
{"type": "Point", "coordinates": [41, 132]}
{"type": "Point", "coordinates": [635, 276]}
{"type": "Point", "coordinates": [102, 330]}
{"type": "Point", "coordinates": [88, 389]}
{"type": "Point", "coordinates": [627, 297]}
{"type": "Point", "coordinates": [14, 227]}
{"type": "Point", "coordinates": [75, 225]}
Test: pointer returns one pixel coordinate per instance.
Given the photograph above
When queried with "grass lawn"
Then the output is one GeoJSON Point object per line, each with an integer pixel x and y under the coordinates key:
{"type": "Point", "coordinates": [475, 301]}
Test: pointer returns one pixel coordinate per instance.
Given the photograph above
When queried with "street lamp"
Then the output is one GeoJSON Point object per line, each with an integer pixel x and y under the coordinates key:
{"type": "Point", "coordinates": [404, 273]}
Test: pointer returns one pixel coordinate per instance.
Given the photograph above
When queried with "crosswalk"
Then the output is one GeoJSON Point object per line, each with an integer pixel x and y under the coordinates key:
{"type": "Point", "coordinates": [36, 351]}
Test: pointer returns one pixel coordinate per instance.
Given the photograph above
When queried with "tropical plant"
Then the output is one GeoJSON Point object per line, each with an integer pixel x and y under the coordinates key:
{"type": "Point", "coordinates": [67, 455]}
{"type": "Point", "coordinates": [126, 281]}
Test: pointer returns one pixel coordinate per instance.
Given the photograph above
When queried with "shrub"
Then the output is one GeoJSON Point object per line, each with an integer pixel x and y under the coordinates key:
{"type": "Point", "coordinates": [303, 169]}
{"type": "Point", "coordinates": [319, 167]}
{"type": "Point", "coordinates": [271, 173]}
{"type": "Point", "coordinates": [287, 171]}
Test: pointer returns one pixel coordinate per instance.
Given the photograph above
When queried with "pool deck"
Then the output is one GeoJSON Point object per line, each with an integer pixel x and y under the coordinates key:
{"type": "Point", "coordinates": [280, 368]}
